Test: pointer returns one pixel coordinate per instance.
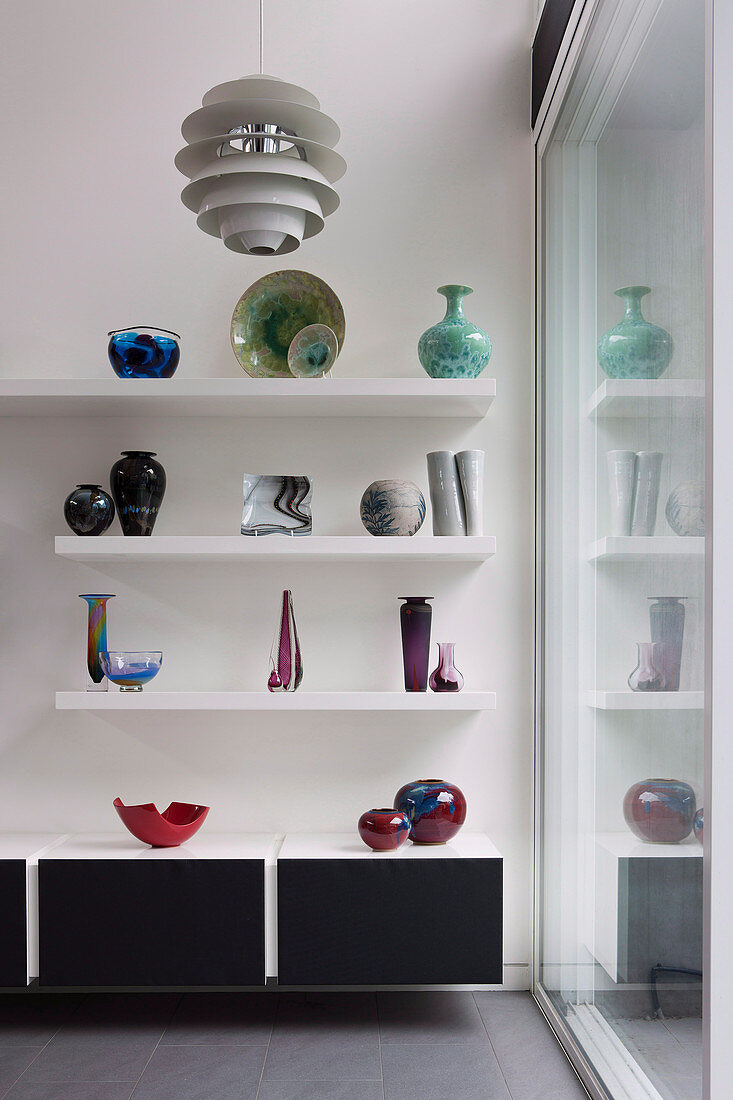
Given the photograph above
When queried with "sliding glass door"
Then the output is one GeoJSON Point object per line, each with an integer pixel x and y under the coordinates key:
{"type": "Point", "coordinates": [621, 661]}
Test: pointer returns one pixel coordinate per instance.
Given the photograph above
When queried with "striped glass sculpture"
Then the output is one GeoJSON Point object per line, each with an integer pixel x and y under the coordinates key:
{"type": "Point", "coordinates": [277, 504]}
{"type": "Point", "coordinates": [96, 639]}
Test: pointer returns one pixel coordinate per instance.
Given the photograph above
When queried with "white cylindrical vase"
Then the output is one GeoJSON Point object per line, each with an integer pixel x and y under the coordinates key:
{"type": "Point", "coordinates": [471, 476]}
{"type": "Point", "coordinates": [621, 473]}
{"type": "Point", "coordinates": [646, 492]}
{"type": "Point", "coordinates": [446, 497]}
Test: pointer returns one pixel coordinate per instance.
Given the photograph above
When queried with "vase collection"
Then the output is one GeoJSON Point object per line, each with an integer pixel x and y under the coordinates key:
{"type": "Point", "coordinates": [137, 482]}
{"type": "Point", "coordinates": [428, 811]}
{"type": "Point", "coordinates": [634, 348]}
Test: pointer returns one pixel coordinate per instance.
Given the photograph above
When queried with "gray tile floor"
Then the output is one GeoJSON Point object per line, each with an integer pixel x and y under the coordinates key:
{"type": "Point", "coordinates": [269, 1046]}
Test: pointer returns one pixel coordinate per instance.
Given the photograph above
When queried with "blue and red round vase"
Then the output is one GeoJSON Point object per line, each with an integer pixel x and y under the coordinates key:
{"type": "Point", "coordinates": [384, 830]}
{"type": "Point", "coordinates": [660, 810]}
{"type": "Point", "coordinates": [436, 810]}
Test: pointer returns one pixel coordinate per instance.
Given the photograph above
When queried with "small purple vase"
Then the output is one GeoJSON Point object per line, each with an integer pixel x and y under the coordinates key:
{"type": "Point", "coordinates": [415, 618]}
{"type": "Point", "coordinates": [286, 666]}
{"type": "Point", "coordinates": [446, 676]}
{"type": "Point", "coordinates": [647, 676]}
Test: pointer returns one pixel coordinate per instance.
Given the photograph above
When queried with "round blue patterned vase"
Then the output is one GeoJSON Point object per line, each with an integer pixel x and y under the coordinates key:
{"type": "Point", "coordinates": [634, 348]}
{"type": "Point", "coordinates": [454, 348]}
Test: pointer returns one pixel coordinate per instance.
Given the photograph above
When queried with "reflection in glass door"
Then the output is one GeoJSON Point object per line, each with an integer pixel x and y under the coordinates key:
{"type": "Point", "coordinates": [621, 384]}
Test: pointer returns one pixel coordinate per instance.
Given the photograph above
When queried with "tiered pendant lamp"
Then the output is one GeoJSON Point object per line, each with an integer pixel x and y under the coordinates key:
{"type": "Point", "coordinates": [261, 163]}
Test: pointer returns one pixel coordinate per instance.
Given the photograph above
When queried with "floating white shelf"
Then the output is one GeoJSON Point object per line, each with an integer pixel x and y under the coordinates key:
{"type": "Point", "coordinates": [245, 396]}
{"type": "Point", "coordinates": [272, 548]}
{"type": "Point", "coordinates": [667, 397]}
{"type": "Point", "coordinates": [274, 702]}
{"type": "Point", "coordinates": [645, 700]}
{"type": "Point", "coordinates": [641, 548]}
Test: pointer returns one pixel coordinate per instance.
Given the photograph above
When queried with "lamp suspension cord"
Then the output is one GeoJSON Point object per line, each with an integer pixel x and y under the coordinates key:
{"type": "Point", "coordinates": [262, 36]}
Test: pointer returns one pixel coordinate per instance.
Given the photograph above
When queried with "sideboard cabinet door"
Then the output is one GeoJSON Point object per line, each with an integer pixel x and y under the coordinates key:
{"type": "Point", "coordinates": [389, 921]}
{"type": "Point", "coordinates": [159, 922]}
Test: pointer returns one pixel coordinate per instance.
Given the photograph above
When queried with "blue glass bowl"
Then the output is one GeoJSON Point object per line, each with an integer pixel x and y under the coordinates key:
{"type": "Point", "coordinates": [130, 670]}
{"type": "Point", "coordinates": [143, 352]}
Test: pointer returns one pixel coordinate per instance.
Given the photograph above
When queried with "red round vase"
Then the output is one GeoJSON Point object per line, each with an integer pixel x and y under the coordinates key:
{"type": "Point", "coordinates": [436, 809]}
{"type": "Point", "coordinates": [383, 830]}
{"type": "Point", "coordinates": [660, 810]}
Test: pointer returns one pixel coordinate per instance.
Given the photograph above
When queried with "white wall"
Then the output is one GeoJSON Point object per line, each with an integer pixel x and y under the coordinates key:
{"type": "Point", "coordinates": [433, 102]}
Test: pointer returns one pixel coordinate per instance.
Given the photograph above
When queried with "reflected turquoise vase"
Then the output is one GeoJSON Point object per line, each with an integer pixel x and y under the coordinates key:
{"type": "Point", "coordinates": [454, 348]}
{"type": "Point", "coordinates": [634, 348]}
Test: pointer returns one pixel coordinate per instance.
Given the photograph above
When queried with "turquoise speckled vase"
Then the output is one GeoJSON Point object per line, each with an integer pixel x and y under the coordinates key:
{"type": "Point", "coordinates": [454, 348]}
{"type": "Point", "coordinates": [634, 348]}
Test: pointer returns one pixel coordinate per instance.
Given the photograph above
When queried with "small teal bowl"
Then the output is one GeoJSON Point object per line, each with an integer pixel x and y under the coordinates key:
{"type": "Point", "coordinates": [130, 671]}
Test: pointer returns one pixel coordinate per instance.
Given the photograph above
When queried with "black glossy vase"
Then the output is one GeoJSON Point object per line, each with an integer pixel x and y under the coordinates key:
{"type": "Point", "coordinates": [138, 486]}
{"type": "Point", "coordinates": [89, 510]}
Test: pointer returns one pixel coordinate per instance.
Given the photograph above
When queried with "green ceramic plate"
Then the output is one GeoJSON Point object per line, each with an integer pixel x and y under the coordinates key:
{"type": "Point", "coordinates": [272, 311]}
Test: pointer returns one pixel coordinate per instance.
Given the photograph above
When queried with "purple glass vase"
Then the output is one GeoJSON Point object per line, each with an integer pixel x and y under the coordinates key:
{"type": "Point", "coordinates": [647, 675]}
{"type": "Point", "coordinates": [286, 667]}
{"type": "Point", "coordinates": [415, 617]}
{"type": "Point", "coordinates": [446, 676]}
{"type": "Point", "coordinates": [667, 624]}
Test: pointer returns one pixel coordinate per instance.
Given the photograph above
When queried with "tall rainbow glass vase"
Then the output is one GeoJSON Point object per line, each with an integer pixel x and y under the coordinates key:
{"type": "Point", "coordinates": [96, 639]}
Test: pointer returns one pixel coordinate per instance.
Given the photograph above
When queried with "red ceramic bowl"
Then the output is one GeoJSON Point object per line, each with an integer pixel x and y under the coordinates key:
{"type": "Point", "coordinates": [167, 830]}
{"type": "Point", "coordinates": [383, 830]}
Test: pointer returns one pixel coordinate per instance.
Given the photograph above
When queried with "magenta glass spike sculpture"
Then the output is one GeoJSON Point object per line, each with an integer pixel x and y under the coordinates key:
{"type": "Point", "coordinates": [446, 676]}
{"type": "Point", "coordinates": [415, 618]}
{"type": "Point", "coordinates": [286, 666]}
{"type": "Point", "coordinates": [96, 639]}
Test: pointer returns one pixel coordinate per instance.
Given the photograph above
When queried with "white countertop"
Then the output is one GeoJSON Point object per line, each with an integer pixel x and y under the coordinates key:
{"type": "Point", "coordinates": [351, 846]}
{"type": "Point", "coordinates": [204, 845]}
{"type": "Point", "coordinates": [28, 846]}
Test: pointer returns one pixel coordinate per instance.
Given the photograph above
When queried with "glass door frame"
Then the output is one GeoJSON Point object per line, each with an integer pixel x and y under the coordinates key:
{"type": "Point", "coordinates": [626, 23]}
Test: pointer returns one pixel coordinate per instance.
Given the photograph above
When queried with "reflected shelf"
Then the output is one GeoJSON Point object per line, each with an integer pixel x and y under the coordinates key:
{"type": "Point", "coordinates": [276, 702]}
{"type": "Point", "coordinates": [647, 548]}
{"type": "Point", "coordinates": [273, 548]}
{"type": "Point", "coordinates": [627, 846]}
{"type": "Point", "coordinates": [645, 700]}
{"type": "Point", "coordinates": [243, 397]}
{"type": "Point", "coordinates": [662, 397]}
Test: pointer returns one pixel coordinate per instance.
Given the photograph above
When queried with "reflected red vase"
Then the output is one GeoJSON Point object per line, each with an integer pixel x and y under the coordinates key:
{"type": "Point", "coordinates": [384, 829]}
{"type": "Point", "coordinates": [660, 810]}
